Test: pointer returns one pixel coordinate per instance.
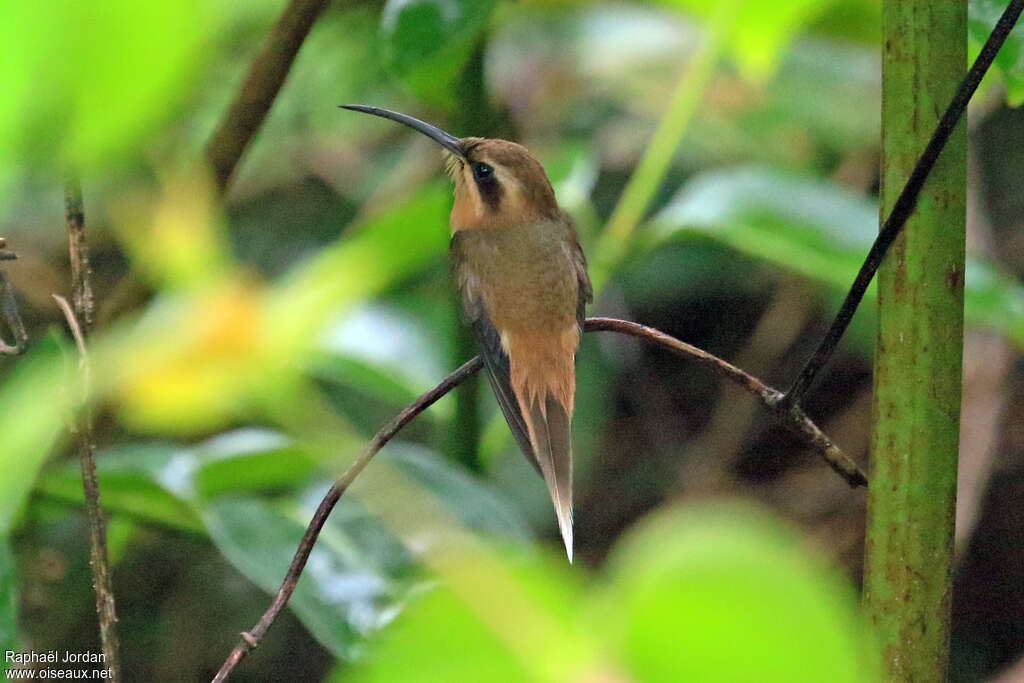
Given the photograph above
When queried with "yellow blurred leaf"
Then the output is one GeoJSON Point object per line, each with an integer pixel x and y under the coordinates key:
{"type": "Point", "coordinates": [177, 237]}
{"type": "Point", "coordinates": [208, 369]}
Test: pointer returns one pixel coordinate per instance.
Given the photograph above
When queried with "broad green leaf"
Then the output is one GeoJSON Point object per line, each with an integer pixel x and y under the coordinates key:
{"type": "Point", "coordinates": [35, 401]}
{"type": "Point", "coordinates": [344, 593]}
{"type": "Point", "coordinates": [8, 601]}
{"type": "Point", "coordinates": [475, 504]}
{"type": "Point", "coordinates": [383, 351]}
{"type": "Point", "coordinates": [427, 42]}
{"type": "Point", "coordinates": [123, 492]}
{"type": "Point", "coordinates": [728, 594]}
{"type": "Point", "coordinates": [982, 16]}
{"type": "Point", "coordinates": [360, 573]}
{"type": "Point", "coordinates": [816, 229]}
{"type": "Point", "coordinates": [416, 648]}
{"type": "Point", "coordinates": [489, 619]}
{"type": "Point", "coordinates": [358, 376]}
{"type": "Point", "coordinates": [250, 459]}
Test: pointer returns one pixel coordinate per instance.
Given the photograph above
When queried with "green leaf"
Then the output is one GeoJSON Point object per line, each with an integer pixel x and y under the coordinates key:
{"type": "Point", "coordinates": [161, 482]}
{"type": "Point", "coordinates": [416, 649]}
{"type": "Point", "coordinates": [729, 594]}
{"type": "Point", "coordinates": [382, 351]}
{"type": "Point", "coordinates": [360, 573]}
{"type": "Point", "coordinates": [34, 402]}
{"type": "Point", "coordinates": [346, 590]}
{"type": "Point", "coordinates": [475, 504]}
{"type": "Point", "coordinates": [8, 601]}
{"type": "Point", "coordinates": [817, 229]}
{"type": "Point", "coordinates": [250, 459]}
{"type": "Point", "coordinates": [427, 42]}
{"type": "Point", "coordinates": [491, 618]}
{"type": "Point", "coordinates": [982, 16]}
{"type": "Point", "coordinates": [123, 492]}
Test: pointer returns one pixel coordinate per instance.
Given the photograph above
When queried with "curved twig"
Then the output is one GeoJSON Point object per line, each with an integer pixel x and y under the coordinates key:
{"type": "Point", "coordinates": [792, 417]}
{"type": "Point", "coordinates": [252, 637]}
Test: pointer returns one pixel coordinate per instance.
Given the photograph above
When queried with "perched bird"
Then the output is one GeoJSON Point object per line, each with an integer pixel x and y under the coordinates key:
{"type": "Point", "coordinates": [524, 284]}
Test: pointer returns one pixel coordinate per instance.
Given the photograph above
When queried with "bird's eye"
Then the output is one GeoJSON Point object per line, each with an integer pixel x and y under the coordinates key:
{"type": "Point", "coordinates": [482, 171]}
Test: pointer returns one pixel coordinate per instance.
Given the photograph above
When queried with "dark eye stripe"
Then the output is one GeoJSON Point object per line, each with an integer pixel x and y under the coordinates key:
{"type": "Point", "coordinates": [487, 184]}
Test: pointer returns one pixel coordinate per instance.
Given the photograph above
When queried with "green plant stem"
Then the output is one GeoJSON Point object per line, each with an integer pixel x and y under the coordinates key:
{"type": "Point", "coordinates": [912, 499]}
{"type": "Point", "coordinates": [650, 172]}
{"type": "Point", "coordinates": [474, 115]}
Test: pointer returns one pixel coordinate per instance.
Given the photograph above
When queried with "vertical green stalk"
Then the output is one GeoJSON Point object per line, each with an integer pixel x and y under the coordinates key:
{"type": "Point", "coordinates": [912, 498]}
{"type": "Point", "coordinates": [650, 172]}
{"type": "Point", "coordinates": [474, 115]}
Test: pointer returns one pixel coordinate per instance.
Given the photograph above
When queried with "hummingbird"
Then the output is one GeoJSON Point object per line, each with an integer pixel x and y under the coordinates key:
{"type": "Point", "coordinates": [522, 274]}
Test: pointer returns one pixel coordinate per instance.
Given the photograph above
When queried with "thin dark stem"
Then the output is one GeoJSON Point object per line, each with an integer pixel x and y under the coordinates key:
{"type": "Point", "coordinates": [253, 636]}
{"type": "Point", "coordinates": [80, 321]}
{"type": "Point", "coordinates": [906, 202]}
{"type": "Point", "coordinates": [794, 418]}
{"type": "Point", "coordinates": [254, 98]}
{"type": "Point", "coordinates": [9, 308]}
{"type": "Point", "coordinates": [78, 249]}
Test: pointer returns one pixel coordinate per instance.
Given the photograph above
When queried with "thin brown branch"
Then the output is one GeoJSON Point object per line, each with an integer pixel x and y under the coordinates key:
{"type": "Point", "coordinates": [252, 637]}
{"type": "Point", "coordinates": [80, 321]}
{"type": "Point", "coordinates": [78, 249]}
{"type": "Point", "coordinates": [793, 417]}
{"type": "Point", "coordinates": [254, 98]}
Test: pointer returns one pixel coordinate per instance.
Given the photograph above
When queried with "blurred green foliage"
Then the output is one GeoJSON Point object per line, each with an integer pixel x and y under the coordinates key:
{"type": "Point", "coordinates": [87, 83]}
{"type": "Point", "coordinates": [249, 349]}
{"type": "Point", "coordinates": [8, 599]}
{"type": "Point", "coordinates": [1009, 63]}
{"type": "Point", "coordinates": [427, 42]}
{"type": "Point", "coordinates": [709, 594]}
{"type": "Point", "coordinates": [819, 230]}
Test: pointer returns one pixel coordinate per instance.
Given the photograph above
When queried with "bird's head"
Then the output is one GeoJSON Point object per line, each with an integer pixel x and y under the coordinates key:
{"type": "Point", "coordinates": [497, 183]}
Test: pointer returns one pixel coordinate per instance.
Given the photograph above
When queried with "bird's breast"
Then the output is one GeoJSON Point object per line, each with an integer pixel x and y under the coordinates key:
{"type": "Point", "coordinates": [524, 276]}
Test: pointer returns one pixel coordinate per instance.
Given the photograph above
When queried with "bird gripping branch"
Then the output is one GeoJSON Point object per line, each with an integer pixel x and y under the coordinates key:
{"type": "Point", "coordinates": [523, 278]}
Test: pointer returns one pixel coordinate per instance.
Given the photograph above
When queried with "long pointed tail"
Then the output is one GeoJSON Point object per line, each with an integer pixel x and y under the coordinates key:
{"type": "Point", "coordinates": [549, 434]}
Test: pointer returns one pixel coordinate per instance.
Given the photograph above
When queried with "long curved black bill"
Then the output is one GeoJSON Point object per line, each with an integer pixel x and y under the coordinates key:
{"type": "Point", "coordinates": [446, 140]}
